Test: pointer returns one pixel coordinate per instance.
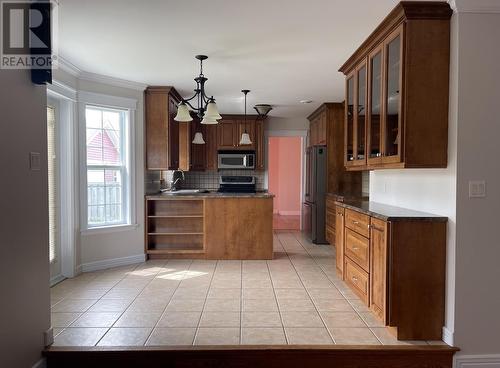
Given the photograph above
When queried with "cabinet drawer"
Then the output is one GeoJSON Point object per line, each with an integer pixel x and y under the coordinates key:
{"type": "Point", "coordinates": [357, 279]}
{"type": "Point", "coordinates": [358, 222]}
{"type": "Point", "coordinates": [358, 249]}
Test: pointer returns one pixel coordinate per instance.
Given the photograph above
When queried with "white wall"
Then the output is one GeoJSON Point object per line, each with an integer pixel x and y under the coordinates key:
{"type": "Point", "coordinates": [477, 307]}
{"type": "Point", "coordinates": [280, 124]}
{"type": "Point", "coordinates": [24, 250]}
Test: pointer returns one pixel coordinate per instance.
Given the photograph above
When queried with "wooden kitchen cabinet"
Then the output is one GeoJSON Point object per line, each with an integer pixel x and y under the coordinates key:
{"type": "Point", "coordinates": [330, 220]}
{"type": "Point", "coordinates": [339, 240]}
{"type": "Point", "coordinates": [260, 149]}
{"type": "Point", "coordinates": [162, 131]}
{"type": "Point", "coordinates": [198, 157]}
{"type": "Point", "coordinates": [211, 146]}
{"type": "Point", "coordinates": [227, 131]}
{"type": "Point", "coordinates": [378, 268]}
{"type": "Point", "coordinates": [397, 91]}
{"type": "Point", "coordinates": [395, 265]}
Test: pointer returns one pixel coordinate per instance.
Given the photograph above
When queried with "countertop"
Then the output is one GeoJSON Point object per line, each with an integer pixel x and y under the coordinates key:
{"type": "Point", "coordinates": [390, 213]}
{"type": "Point", "coordinates": [341, 197]}
{"type": "Point", "coordinates": [210, 195]}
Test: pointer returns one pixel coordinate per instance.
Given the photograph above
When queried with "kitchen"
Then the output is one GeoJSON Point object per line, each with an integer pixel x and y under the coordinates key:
{"type": "Point", "coordinates": [177, 242]}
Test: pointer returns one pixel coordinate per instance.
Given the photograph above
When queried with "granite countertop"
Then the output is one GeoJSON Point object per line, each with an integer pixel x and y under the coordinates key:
{"type": "Point", "coordinates": [346, 196]}
{"type": "Point", "coordinates": [211, 194]}
{"type": "Point", "coordinates": [390, 213]}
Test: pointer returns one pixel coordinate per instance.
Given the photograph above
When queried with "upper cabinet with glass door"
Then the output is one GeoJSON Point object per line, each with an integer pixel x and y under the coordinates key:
{"type": "Point", "coordinates": [397, 91]}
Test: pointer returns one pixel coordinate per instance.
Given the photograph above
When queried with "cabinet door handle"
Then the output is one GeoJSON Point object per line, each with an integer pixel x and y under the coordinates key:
{"type": "Point", "coordinates": [355, 279]}
{"type": "Point", "coordinates": [355, 222]}
{"type": "Point", "coordinates": [355, 248]}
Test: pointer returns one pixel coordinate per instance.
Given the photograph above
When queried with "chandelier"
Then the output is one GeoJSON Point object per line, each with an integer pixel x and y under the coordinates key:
{"type": "Point", "coordinates": [205, 109]}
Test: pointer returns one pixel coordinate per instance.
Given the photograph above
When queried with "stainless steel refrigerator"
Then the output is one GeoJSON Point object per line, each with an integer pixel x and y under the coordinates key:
{"type": "Point", "coordinates": [314, 206]}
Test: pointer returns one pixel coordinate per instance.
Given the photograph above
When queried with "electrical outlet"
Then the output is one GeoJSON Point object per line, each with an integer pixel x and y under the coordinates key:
{"type": "Point", "coordinates": [477, 189]}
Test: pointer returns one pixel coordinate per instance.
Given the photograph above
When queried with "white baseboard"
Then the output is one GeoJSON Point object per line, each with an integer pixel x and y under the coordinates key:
{"type": "Point", "coordinates": [78, 270]}
{"type": "Point", "coordinates": [477, 361]}
{"type": "Point", "coordinates": [113, 262]}
{"type": "Point", "coordinates": [42, 363]}
{"type": "Point", "coordinates": [447, 336]}
{"type": "Point", "coordinates": [56, 279]}
{"type": "Point", "coordinates": [289, 213]}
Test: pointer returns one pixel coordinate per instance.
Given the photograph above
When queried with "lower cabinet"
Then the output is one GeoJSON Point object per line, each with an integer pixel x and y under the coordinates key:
{"type": "Point", "coordinates": [396, 267]}
{"type": "Point", "coordinates": [339, 240]}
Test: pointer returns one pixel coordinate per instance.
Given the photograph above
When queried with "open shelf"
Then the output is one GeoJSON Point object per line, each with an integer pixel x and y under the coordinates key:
{"type": "Point", "coordinates": [174, 226]}
{"type": "Point", "coordinates": [175, 208]}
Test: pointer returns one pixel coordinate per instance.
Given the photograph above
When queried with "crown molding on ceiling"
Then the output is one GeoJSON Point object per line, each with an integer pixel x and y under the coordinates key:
{"type": "Point", "coordinates": [475, 6]}
{"type": "Point", "coordinates": [80, 74]}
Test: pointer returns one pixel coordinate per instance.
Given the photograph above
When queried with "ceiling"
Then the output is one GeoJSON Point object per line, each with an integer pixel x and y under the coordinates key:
{"type": "Point", "coordinates": [284, 51]}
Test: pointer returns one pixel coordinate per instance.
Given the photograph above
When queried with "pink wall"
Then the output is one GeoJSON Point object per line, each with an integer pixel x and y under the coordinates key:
{"type": "Point", "coordinates": [285, 174]}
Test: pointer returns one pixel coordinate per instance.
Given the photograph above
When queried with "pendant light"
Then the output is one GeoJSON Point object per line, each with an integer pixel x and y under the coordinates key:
{"type": "Point", "coordinates": [198, 138]}
{"type": "Point", "coordinates": [245, 137]}
{"type": "Point", "coordinates": [263, 110]}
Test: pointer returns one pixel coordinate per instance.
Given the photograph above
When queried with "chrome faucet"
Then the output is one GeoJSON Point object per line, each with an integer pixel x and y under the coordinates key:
{"type": "Point", "coordinates": [177, 175]}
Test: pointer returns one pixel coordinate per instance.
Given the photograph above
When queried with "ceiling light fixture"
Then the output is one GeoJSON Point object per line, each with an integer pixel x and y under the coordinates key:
{"type": "Point", "coordinates": [206, 109]}
{"type": "Point", "coordinates": [263, 110]}
{"type": "Point", "coordinates": [305, 101]}
{"type": "Point", "coordinates": [245, 137]}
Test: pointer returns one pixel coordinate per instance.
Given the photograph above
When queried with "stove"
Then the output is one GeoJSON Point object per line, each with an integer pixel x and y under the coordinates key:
{"type": "Point", "coordinates": [236, 184]}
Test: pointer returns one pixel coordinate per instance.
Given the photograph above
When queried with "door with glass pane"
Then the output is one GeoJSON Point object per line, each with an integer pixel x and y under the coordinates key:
{"type": "Point", "coordinates": [392, 125]}
{"type": "Point", "coordinates": [360, 115]}
{"type": "Point", "coordinates": [375, 107]}
{"type": "Point", "coordinates": [349, 121]}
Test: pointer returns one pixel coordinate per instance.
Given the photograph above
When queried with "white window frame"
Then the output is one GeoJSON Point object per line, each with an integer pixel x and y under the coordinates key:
{"type": "Point", "coordinates": [129, 188]}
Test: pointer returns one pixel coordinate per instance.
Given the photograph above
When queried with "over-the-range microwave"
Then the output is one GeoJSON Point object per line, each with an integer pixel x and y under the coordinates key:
{"type": "Point", "coordinates": [236, 160]}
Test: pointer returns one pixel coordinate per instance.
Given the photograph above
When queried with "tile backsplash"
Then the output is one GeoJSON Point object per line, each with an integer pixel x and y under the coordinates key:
{"type": "Point", "coordinates": [200, 179]}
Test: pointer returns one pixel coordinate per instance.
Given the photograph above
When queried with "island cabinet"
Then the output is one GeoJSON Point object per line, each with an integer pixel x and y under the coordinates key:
{"type": "Point", "coordinates": [394, 260]}
{"type": "Point", "coordinates": [397, 91]}
{"type": "Point", "coordinates": [209, 226]}
{"type": "Point", "coordinates": [162, 131]}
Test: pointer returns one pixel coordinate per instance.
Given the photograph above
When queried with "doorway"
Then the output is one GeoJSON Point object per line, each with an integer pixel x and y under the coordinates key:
{"type": "Point", "coordinates": [285, 181]}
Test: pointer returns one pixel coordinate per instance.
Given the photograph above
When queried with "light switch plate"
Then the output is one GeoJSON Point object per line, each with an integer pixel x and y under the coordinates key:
{"type": "Point", "coordinates": [477, 189]}
{"type": "Point", "coordinates": [34, 161]}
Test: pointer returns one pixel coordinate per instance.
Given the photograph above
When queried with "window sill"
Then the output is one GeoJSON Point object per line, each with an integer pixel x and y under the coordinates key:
{"type": "Point", "coordinates": [109, 229]}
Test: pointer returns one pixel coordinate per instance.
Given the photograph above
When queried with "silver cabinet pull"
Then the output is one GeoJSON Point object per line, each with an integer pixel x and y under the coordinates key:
{"type": "Point", "coordinates": [355, 279]}
{"type": "Point", "coordinates": [355, 248]}
{"type": "Point", "coordinates": [355, 222]}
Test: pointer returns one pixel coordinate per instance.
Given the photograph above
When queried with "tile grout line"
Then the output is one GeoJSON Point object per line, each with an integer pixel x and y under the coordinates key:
{"type": "Point", "coordinates": [165, 309]}
{"type": "Point", "coordinates": [307, 291]}
{"type": "Point", "coordinates": [204, 303]}
{"type": "Point", "coordinates": [97, 300]}
{"type": "Point", "coordinates": [277, 305]}
{"type": "Point", "coordinates": [133, 300]}
{"type": "Point", "coordinates": [348, 301]}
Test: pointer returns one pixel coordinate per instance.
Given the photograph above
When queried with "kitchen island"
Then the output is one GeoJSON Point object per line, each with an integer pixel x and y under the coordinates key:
{"type": "Point", "coordinates": [209, 225]}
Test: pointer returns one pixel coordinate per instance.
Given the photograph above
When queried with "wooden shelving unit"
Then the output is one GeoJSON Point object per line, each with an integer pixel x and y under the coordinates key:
{"type": "Point", "coordinates": [174, 226]}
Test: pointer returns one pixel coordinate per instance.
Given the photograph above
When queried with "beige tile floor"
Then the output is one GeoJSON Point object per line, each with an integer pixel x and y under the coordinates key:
{"type": "Point", "coordinates": [296, 298]}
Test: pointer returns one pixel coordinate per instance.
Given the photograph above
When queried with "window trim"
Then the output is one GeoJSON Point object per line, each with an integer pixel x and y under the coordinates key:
{"type": "Point", "coordinates": [112, 102]}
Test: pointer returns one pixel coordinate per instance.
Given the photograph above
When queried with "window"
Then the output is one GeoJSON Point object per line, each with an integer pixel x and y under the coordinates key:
{"type": "Point", "coordinates": [107, 169]}
{"type": "Point", "coordinates": [52, 177]}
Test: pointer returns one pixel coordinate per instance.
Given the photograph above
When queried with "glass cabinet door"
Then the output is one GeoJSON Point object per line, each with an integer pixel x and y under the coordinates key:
{"type": "Point", "coordinates": [375, 107]}
{"type": "Point", "coordinates": [360, 126]}
{"type": "Point", "coordinates": [392, 126]}
{"type": "Point", "coordinates": [349, 118]}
